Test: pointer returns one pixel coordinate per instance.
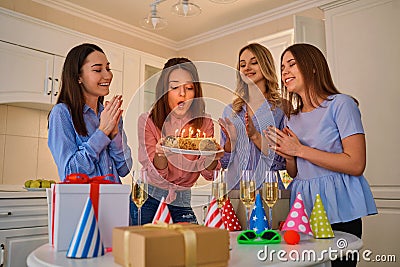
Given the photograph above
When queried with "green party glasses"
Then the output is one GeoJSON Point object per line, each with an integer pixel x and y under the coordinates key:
{"type": "Point", "coordinates": [265, 237]}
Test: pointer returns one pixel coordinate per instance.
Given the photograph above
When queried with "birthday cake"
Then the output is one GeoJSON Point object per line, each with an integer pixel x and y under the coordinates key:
{"type": "Point", "coordinates": [192, 143]}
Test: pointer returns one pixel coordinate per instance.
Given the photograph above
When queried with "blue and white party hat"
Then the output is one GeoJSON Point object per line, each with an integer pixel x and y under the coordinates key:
{"type": "Point", "coordinates": [258, 219]}
{"type": "Point", "coordinates": [86, 242]}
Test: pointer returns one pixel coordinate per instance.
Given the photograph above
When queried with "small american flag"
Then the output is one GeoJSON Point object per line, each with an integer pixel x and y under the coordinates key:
{"type": "Point", "coordinates": [213, 217]}
{"type": "Point", "coordinates": [162, 213]}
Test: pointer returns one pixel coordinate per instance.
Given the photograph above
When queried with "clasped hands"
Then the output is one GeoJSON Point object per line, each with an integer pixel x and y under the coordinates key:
{"type": "Point", "coordinates": [110, 116]}
{"type": "Point", "coordinates": [284, 142]}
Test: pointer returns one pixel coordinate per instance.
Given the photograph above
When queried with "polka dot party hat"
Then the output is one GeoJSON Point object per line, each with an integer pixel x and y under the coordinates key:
{"type": "Point", "coordinates": [297, 218]}
{"type": "Point", "coordinates": [319, 221]}
{"type": "Point", "coordinates": [229, 217]}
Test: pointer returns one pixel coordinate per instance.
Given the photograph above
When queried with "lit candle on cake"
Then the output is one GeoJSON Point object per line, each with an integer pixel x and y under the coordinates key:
{"type": "Point", "coordinates": [190, 132]}
{"type": "Point", "coordinates": [198, 133]}
{"type": "Point", "coordinates": [182, 133]}
{"type": "Point", "coordinates": [204, 134]}
{"type": "Point", "coordinates": [176, 132]}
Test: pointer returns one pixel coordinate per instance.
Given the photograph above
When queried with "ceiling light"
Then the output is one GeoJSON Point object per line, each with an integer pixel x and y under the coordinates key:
{"type": "Point", "coordinates": [186, 9]}
{"type": "Point", "coordinates": [153, 21]}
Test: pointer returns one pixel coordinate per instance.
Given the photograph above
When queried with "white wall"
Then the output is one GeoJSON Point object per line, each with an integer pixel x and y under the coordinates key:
{"type": "Point", "coordinates": [363, 41]}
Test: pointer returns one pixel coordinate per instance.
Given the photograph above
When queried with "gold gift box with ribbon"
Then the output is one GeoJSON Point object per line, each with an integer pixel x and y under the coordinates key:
{"type": "Point", "coordinates": [170, 245]}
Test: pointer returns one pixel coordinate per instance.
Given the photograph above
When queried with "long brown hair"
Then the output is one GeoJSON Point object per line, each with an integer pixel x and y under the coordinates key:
{"type": "Point", "coordinates": [161, 109]}
{"type": "Point", "coordinates": [266, 62]}
{"type": "Point", "coordinates": [71, 92]}
{"type": "Point", "coordinates": [316, 74]}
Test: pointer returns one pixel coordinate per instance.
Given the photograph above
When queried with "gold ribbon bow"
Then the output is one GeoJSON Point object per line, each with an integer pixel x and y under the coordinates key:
{"type": "Point", "coordinates": [189, 237]}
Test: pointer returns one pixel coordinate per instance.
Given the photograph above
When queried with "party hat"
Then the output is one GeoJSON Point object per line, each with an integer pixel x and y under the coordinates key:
{"type": "Point", "coordinates": [213, 217]}
{"type": "Point", "coordinates": [86, 242]}
{"type": "Point", "coordinates": [229, 217]}
{"type": "Point", "coordinates": [258, 219]}
{"type": "Point", "coordinates": [297, 218]}
{"type": "Point", "coordinates": [319, 221]}
{"type": "Point", "coordinates": [162, 213]}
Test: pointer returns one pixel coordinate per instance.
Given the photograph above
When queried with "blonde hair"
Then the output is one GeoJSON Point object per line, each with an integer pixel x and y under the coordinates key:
{"type": "Point", "coordinates": [266, 62]}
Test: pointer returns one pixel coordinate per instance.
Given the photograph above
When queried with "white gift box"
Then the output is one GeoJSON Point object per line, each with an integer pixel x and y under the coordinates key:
{"type": "Point", "coordinates": [68, 202]}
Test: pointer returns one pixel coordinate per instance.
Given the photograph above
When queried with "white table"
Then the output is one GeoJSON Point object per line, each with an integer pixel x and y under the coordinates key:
{"type": "Point", "coordinates": [240, 255]}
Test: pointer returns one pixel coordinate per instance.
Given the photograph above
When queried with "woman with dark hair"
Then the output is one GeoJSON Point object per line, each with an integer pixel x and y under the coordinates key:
{"type": "Point", "coordinates": [257, 104]}
{"type": "Point", "coordinates": [323, 143]}
{"type": "Point", "coordinates": [179, 106]}
{"type": "Point", "coordinates": [84, 135]}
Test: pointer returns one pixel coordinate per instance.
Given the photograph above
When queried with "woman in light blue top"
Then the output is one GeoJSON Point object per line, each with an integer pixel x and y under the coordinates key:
{"type": "Point", "coordinates": [257, 105]}
{"type": "Point", "coordinates": [323, 143]}
{"type": "Point", "coordinates": [85, 136]}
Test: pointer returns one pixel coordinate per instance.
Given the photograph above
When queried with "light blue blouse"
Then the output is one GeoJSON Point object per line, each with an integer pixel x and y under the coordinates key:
{"type": "Point", "coordinates": [246, 156]}
{"type": "Point", "coordinates": [94, 154]}
{"type": "Point", "coordinates": [345, 197]}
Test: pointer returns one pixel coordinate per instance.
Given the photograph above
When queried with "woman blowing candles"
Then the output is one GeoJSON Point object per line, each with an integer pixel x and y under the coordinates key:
{"type": "Point", "coordinates": [179, 106]}
{"type": "Point", "coordinates": [85, 136]}
{"type": "Point", "coordinates": [323, 143]}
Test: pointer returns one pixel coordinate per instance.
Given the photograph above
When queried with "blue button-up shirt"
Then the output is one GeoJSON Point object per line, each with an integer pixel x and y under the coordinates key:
{"type": "Point", "coordinates": [95, 154]}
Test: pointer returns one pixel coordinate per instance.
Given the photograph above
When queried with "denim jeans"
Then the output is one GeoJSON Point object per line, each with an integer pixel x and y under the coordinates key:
{"type": "Point", "coordinates": [180, 209]}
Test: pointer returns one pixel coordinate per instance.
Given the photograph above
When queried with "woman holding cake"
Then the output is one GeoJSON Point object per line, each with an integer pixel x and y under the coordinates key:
{"type": "Point", "coordinates": [84, 135]}
{"type": "Point", "coordinates": [323, 142]}
{"type": "Point", "coordinates": [256, 106]}
{"type": "Point", "coordinates": [179, 111]}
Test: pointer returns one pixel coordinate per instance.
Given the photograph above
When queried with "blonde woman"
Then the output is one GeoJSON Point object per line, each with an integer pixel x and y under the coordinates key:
{"type": "Point", "coordinates": [257, 105]}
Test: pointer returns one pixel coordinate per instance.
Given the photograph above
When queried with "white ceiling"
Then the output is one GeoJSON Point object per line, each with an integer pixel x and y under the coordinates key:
{"type": "Point", "coordinates": [214, 20]}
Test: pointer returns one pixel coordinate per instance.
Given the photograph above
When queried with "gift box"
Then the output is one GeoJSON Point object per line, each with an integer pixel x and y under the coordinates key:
{"type": "Point", "coordinates": [66, 205]}
{"type": "Point", "coordinates": [171, 245]}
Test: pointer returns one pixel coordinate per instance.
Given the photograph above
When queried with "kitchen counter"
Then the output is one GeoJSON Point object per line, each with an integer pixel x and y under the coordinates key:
{"type": "Point", "coordinates": [23, 223]}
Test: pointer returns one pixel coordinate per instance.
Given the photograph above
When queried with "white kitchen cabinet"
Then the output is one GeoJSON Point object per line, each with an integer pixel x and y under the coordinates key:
{"type": "Point", "coordinates": [23, 225]}
{"type": "Point", "coordinates": [139, 93]}
{"type": "Point", "coordinates": [28, 75]}
{"type": "Point", "coordinates": [150, 67]}
{"type": "Point", "coordinates": [201, 198]}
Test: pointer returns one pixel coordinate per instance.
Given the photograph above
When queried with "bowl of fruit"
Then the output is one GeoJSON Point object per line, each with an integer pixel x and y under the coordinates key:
{"type": "Point", "coordinates": [38, 184]}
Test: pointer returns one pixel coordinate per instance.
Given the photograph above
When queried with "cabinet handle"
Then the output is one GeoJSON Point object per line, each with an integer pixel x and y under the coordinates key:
{"type": "Point", "coordinates": [49, 85]}
{"type": "Point", "coordinates": [2, 255]}
{"type": "Point", "coordinates": [56, 86]}
{"type": "Point", "coordinates": [5, 214]}
{"type": "Point", "coordinates": [205, 208]}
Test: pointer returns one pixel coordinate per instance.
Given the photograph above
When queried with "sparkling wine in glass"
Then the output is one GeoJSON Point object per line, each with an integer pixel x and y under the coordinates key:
{"type": "Point", "coordinates": [270, 191]}
{"type": "Point", "coordinates": [218, 187]}
{"type": "Point", "coordinates": [247, 192]}
{"type": "Point", "coordinates": [139, 192]}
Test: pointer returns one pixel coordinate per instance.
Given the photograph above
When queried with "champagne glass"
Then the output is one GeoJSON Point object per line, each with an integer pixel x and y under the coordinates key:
{"type": "Point", "coordinates": [218, 187]}
{"type": "Point", "coordinates": [270, 191]}
{"type": "Point", "coordinates": [247, 192]}
{"type": "Point", "coordinates": [139, 192]}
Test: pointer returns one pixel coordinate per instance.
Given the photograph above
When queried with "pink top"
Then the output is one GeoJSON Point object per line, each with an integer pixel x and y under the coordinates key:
{"type": "Point", "coordinates": [183, 170]}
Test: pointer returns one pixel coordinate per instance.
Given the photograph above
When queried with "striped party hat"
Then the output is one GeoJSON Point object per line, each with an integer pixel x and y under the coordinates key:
{"type": "Point", "coordinates": [162, 213]}
{"type": "Point", "coordinates": [213, 217]}
{"type": "Point", "coordinates": [86, 242]}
